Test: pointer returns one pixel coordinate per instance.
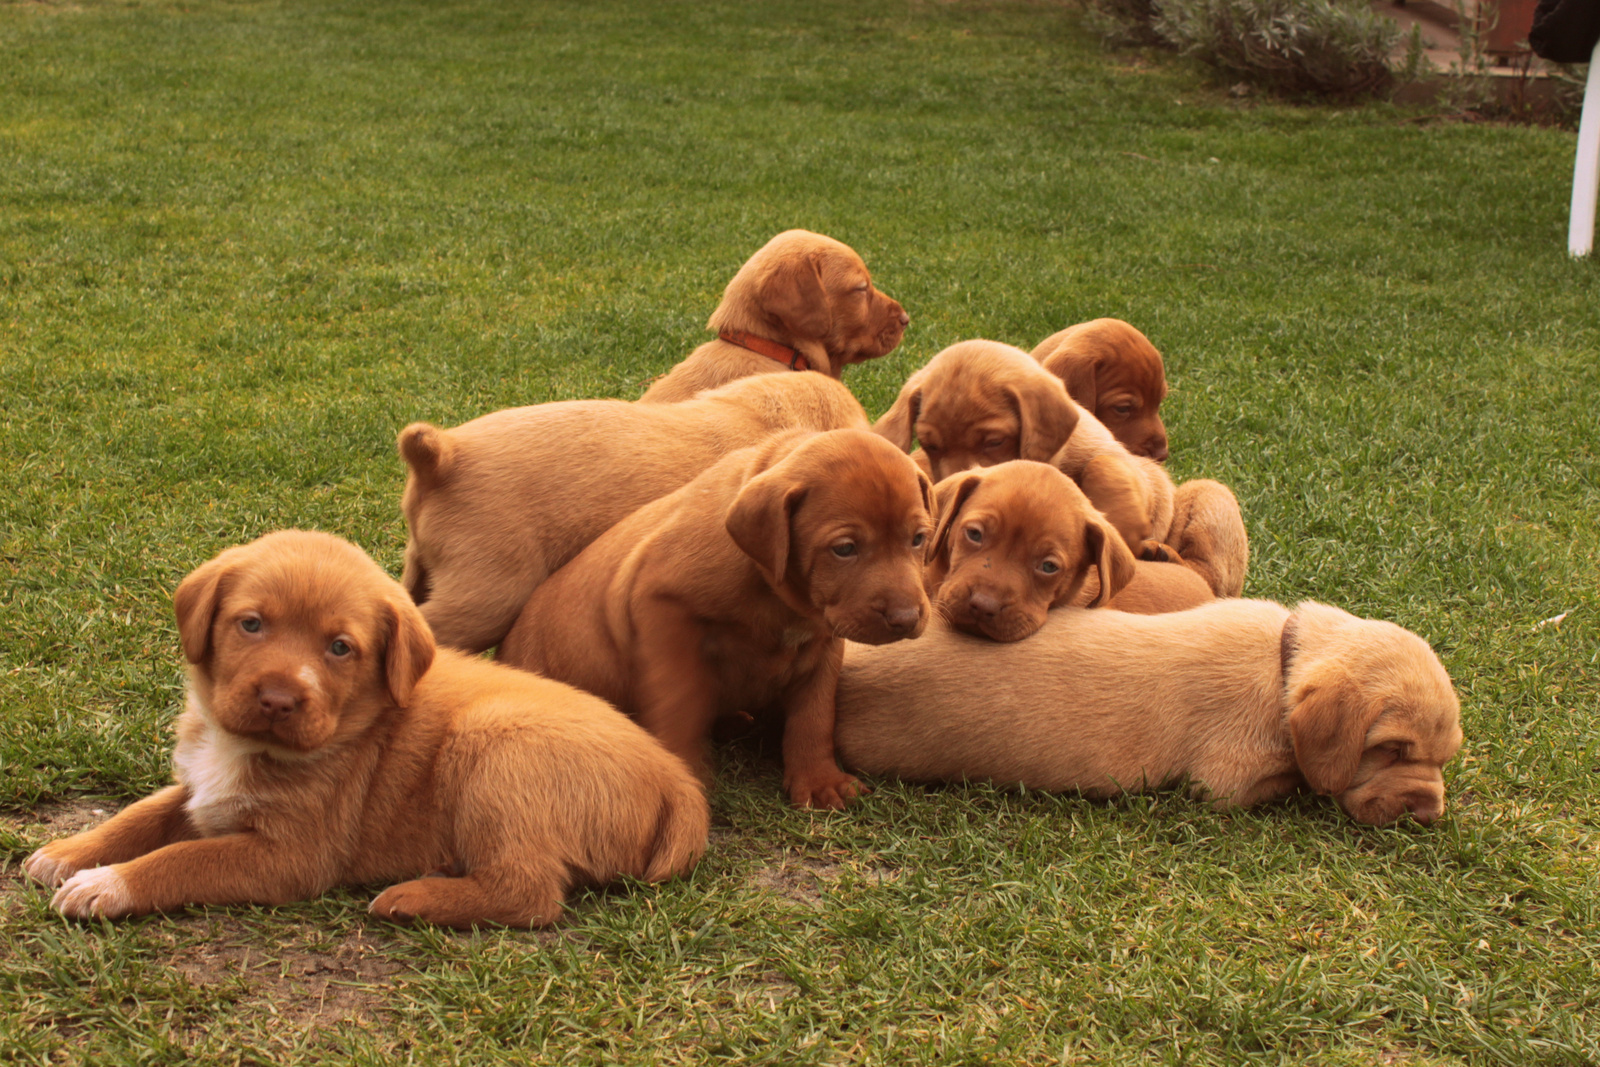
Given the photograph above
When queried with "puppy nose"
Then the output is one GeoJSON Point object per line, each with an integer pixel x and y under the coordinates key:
{"type": "Point", "coordinates": [985, 603]}
{"type": "Point", "coordinates": [905, 320]}
{"type": "Point", "coordinates": [1158, 450]}
{"type": "Point", "coordinates": [1424, 807]}
{"type": "Point", "coordinates": [276, 701]}
{"type": "Point", "coordinates": [902, 620]}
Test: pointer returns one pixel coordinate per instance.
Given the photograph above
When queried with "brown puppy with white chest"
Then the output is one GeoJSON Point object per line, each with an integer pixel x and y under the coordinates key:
{"type": "Point", "coordinates": [1245, 699]}
{"type": "Point", "coordinates": [734, 594]}
{"type": "Point", "coordinates": [978, 403]}
{"type": "Point", "coordinates": [495, 505]}
{"type": "Point", "coordinates": [1114, 372]}
{"type": "Point", "coordinates": [802, 302]}
{"type": "Point", "coordinates": [326, 742]}
{"type": "Point", "coordinates": [1017, 539]}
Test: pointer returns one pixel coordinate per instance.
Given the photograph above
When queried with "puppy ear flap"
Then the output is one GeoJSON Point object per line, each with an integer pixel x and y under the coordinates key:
{"type": "Point", "coordinates": [409, 651]}
{"type": "Point", "coordinates": [950, 496]}
{"type": "Point", "coordinates": [1046, 416]}
{"type": "Point", "coordinates": [1080, 376]}
{"type": "Point", "coordinates": [794, 299]}
{"type": "Point", "coordinates": [760, 518]}
{"type": "Point", "coordinates": [1111, 558]}
{"type": "Point", "coordinates": [195, 603]}
{"type": "Point", "coordinates": [1328, 725]}
{"type": "Point", "coordinates": [1113, 486]}
{"type": "Point", "coordinates": [898, 424]}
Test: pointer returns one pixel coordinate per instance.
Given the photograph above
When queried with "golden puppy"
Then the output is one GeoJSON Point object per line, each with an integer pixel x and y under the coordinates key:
{"type": "Point", "coordinates": [734, 594]}
{"type": "Point", "coordinates": [978, 403]}
{"type": "Point", "coordinates": [1244, 699]}
{"type": "Point", "coordinates": [1013, 541]}
{"type": "Point", "coordinates": [326, 743]}
{"type": "Point", "coordinates": [803, 302]}
{"type": "Point", "coordinates": [495, 505]}
{"type": "Point", "coordinates": [1114, 372]}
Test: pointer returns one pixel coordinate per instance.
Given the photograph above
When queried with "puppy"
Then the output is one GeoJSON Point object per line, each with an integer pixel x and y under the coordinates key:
{"type": "Point", "coordinates": [803, 302]}
{"type": "Point", "coordinates": [1244, 699]}
{"type": "Point", "coordinates": [734, 594]}
{"type": "Point", "coordinates": [1013, 541]}
{"type": "Point", "coordinates": [495, 505]}
{"type": "Point", "coordinates": [326, 743]}
{"type": "Point", "coordinates": [978, 403]}
{"type": "Point", "coordinates": [1113, 371]}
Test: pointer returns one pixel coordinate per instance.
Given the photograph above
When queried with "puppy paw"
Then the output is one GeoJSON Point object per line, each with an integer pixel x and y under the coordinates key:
{"type": "Point", "coordinates": [1156, 552]}
{"type": "Point", "coordinates": [98, 893]}
{"type": "Point", "coordinates": [832, 792]}
{"type": "Point", "coordinates": [50, 865]}
{"type": "Point", "coordinates": [403, 903]}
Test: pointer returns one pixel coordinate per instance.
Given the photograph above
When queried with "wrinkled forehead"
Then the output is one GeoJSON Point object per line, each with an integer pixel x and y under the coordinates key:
{"type": "Point", "coordinates": [866, 492]}
{"type": "Point", "coordinates": [964, 396]}
{"type": "Point", "coordinates": [320, 598]}
{"type": "Point", "coordinates": [1026, 501]}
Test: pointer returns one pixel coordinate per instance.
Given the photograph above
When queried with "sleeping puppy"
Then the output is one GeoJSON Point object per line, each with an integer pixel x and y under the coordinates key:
{"type": "Point", "coordinates": [1243, 699]}
{"type": "Point", "coordinates": [327, 743]}
{"type": "Point", "coordinates": [495, 505]}
{"type": "Point", "coordinates": [1113, 371]}
{"type": "Point", "coordinates": [735, 593]}
{"type": "Point", "coordinates": [1017, 539]}
{"type": "Point", "coordinates": [803, 302]}
{"type": "Point", "coordinates": [978, 403]}
{"type": "Point", "coordinates": [1013, 541]}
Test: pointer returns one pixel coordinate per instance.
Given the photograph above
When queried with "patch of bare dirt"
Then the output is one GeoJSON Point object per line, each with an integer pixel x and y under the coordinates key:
{"type": "Point", "coordinates": [802, 879]}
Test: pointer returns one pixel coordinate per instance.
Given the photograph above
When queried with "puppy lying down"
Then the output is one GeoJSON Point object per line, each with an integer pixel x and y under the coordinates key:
{"type": "Point", "coordinates": [1247, 700]}
{"type": "Point", "coordinates": [326, 742]}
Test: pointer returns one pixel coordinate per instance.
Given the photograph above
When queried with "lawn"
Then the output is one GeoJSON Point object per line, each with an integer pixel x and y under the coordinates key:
{"type": "Point", "coordinates": [243, 243]}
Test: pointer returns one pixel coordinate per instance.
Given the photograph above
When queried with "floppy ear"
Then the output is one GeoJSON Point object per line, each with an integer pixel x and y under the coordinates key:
{"type": "Point", "coordinates": [1328, 724]}
{"type": "Point", "coordinates": [760, 518]}
{"type": "Point", "coordinates": [949, 497]}
{"type": "Point", "coordinates": [1080, 376]}
{"type": "Point", "coordinates": [1045, 415]}
{"type": "Point", "coordinates": [925, 485]}
{"type": "Point", "coordinates": [794, 300]}
{"type": "Point", "coordinates": [898, 424]}
{"type": "Point", "coordinates": [1111, 558]}
{"type": "Point", "coordinates": [195, 603]}
{"type": "Point", "coordinates": [409, 651]}
{"type": "Point", "coordinates": [1112, 485]}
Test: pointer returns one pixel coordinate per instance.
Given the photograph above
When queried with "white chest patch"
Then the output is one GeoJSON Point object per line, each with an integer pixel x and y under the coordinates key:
{"type": "Point", "coordinates": [214, 768]}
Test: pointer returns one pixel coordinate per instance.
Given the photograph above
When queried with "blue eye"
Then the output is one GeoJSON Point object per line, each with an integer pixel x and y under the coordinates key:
{"type": "Point", "coordinates": [845, 550]}
{"type": "Point", "coordinates": [340, 647]}
{"type": "Point", "coordinates": [916, 541]}
{"type": "Point", "coordinates": [250, 624]}
{"type": "Point", "coordinates": [1049, 566]}
{"type": "Point", "coordinates": [975, 535]}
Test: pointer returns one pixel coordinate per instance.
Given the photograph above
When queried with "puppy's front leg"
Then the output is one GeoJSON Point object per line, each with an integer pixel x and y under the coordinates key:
{"type": "Point", "coordinates": [231, 869]}
{"type": "Point", "coordinates": [143, 826]}
{"type": "Point", "coordinates": [675, 688]}
{"type": "Point", "coordinates": [811, 773]}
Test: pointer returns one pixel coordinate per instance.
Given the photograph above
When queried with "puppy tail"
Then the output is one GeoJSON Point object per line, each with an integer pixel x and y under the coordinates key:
{"type": "Point", "coordinates": [682, 826]}
{"type": "Point", "coordinates": [427, 451]}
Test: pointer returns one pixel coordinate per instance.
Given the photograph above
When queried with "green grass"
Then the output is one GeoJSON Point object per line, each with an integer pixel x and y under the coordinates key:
{"type": "Point", "coordinates": [241, 244]}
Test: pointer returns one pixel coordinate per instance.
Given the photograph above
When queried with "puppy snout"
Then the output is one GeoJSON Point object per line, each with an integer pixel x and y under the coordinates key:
{"type": "Point", "coordinates": [1157, 449]}
{"type": "Point", "coordinates": [276, 700]}
{"type": "Point", "coordinates": [985, 604]}
{"type": "Point", "coordinates": [1424, 807]}
{"type": "Point", "coordinates": [905, 320]}
{"type": "Point", "coordinates": [902, 619]}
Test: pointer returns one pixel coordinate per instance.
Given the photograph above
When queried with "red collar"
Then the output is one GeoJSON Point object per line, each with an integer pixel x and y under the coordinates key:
{"type": "Point", "coordinates": [771, 349]}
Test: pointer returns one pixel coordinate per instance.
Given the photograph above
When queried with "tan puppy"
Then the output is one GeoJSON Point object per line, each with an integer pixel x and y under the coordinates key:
{"type": "Point", "coordinates": [978, 403]}
{"type": "Point", "coordinates": [1114, 372]}
{"type": "Point", "coordinates": [495, 505]}
{"type": "Point", "coordinates": [734, 594]}
{"type": "Point", "coordinates": [1244, 699]}
{"type": "Point", "coordinates": [803, 302]}
{"type": "Point", "coordinates": [1013, 541]}
{"type": "Point", "coordinates": [325, 743]}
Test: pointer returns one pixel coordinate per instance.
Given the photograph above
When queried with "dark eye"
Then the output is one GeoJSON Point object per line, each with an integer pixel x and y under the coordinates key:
{"type": "Point", "coordinates": [250, 624]}
{"type": "Point", "coordinates": [918, 538]}
{"type": "Point", "coordinates": [1049, 566]}
{"type": "Point", "coordinates": [975, 535]}
{"type": "Point", "coordinates": [844, 550]}
{"type": "Point", "coordinates": [931, 450]}
{"type": "Point", "coordinates": [993, 443]}
{"type": "Point", "coordinates": [340, 647]}
{"type": "Point", "coordinates": [1124, 410]}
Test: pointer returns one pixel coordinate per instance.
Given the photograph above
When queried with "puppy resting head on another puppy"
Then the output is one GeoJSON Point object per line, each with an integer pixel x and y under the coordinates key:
{"type": "Point", "coordinates": [1117, 375]}
{"type": "Point", "coordinates": [978, 403]}
{"type": "Point", "coordinates": [1014, 541]}
{"type": "Point", "coordinates": [289, 645]}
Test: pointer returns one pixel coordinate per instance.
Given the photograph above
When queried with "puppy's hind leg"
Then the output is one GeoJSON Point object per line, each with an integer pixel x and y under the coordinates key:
{"type": "Point", "coordinates": [499, 894]}
{"type": "Point", "coordinates": [1208, 532]}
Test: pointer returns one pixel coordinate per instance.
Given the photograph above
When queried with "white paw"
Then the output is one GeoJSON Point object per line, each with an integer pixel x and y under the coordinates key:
{"type": "Point", "coordinates": [46, 869]}
{"type": "Point", "coordinates": [99, 892]}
